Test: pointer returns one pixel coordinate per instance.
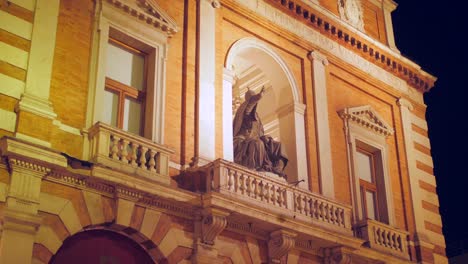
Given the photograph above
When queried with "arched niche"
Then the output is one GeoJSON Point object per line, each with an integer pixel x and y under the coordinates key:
{"type": "Point", "coordinates": [253, 64]}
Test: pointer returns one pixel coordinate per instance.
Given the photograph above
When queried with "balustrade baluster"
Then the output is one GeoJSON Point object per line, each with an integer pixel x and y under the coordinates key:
{"type": "Point", "coordinates": [255, 188]}
{"type": "Point", "coordinates": [115, 148]}
{"type": "Point", "coordinates": [143, 151]}
{"type": "Point", "coordinates": [133, 156]}
{"type": "Point", "coordinates": [124, 154]}
{"type": "Point", "coordinates": [152, 161]}
{"type": "Point", "coordinates": [230, 180]}
{"type": "Point", "coordinates": [248, 182]}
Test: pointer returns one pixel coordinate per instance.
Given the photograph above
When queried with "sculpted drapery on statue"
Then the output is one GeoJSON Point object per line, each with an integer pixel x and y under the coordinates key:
{"type": "Point", "coordinates": [252, 148]}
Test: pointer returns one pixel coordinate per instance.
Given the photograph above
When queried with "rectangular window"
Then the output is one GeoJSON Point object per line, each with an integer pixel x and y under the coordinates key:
{"type": "Point", "coordinates": [366, 169]}
{"type": "Point", "coordinates": [125, 87]}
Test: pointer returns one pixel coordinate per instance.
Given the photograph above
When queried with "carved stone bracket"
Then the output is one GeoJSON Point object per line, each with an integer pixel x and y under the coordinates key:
{"type": "Point", "coordinates": [336, 255]}
{"type": "Point", "coordinates": [281, 241]}
{"type": "Point", "coordinates": [213, 222]}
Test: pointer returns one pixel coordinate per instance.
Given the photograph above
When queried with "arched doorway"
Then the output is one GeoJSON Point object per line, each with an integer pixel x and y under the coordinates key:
{"type": "Point", "coordinates": [100, 247]}
{"type": "Point", "coordinates": [255, 65]}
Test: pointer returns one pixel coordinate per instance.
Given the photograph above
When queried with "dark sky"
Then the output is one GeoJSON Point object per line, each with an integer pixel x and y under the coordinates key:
{"type": "Point", "coordinates": [433, 34]}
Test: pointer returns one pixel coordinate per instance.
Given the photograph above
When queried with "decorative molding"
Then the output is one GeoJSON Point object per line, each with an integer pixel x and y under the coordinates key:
{"type": "Point", "coordinates": [366, 117]}
{"type": "Point", "coordinates": [247, 228]}
{"type": "Point", "coordinates": [351, 12]}
{"type": "Point", "coordinates": [402, 102]}
{"type": "Point", "coordinates": [336, 255]}
{"type": "Point", "coordinates": [66, 128]}
{"type": "Point", "coordinates": [394, 72]}
{"type": "Point", "coordinates": [315, 55]}
{"type": "Point", "coordinates": [215, 4]}
{"type": "Point", "coordinates": [36, 105]}
{"type": "Point", "coordinates": [147, 11]}
{"type": "Point", "coordinates": [213, 223]}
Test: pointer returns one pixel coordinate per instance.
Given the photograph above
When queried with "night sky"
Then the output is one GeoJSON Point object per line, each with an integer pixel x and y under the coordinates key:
{"type": "Point", "coordinates": [433, 34]}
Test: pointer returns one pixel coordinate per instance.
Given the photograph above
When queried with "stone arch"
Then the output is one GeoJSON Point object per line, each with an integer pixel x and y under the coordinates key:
{"type": "Point", "coordinates": [110, 237]}
{"type": "Point", "coordinates": [263, 66]}
{"type": "Point", "coordinates": [117, 217]}
{"type": "Point", "coordinates": [254, 43]}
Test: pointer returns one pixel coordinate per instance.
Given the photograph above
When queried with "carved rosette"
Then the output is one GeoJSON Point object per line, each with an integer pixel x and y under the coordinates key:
{"type": "Point", "coordinates": [213, 224]}
{"type": "Point", "coordinates": [281, 241]}
{"type": "Point", "coordinates": [336, 255]}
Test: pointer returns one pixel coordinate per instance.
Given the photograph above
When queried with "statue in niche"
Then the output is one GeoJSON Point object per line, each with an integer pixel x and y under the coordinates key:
{"type": "Point", "coordinates": [252, 148]}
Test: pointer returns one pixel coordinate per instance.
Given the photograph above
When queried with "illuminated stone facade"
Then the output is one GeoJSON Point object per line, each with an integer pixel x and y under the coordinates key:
{"type": "Point", "coordinates": [347, 106]}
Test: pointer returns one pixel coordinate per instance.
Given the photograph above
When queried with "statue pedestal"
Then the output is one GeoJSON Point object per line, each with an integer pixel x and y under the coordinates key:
{"type": "Point", "coordinates": [273, 176]}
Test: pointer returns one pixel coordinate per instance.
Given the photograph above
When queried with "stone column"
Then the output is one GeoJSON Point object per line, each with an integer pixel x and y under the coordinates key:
{"type": "Point", "coordinates": [36, 95]}
{"type": "Point", "coordinates": [20, 221]}
{"type": "Point", "coordinates": [388, 6]}
{"type": "Point", "coordinates": [229, 80]}
{"type": "Point", "coordinates": [206, 82]}
{"type": "Point", "coordinates": [319, 75]}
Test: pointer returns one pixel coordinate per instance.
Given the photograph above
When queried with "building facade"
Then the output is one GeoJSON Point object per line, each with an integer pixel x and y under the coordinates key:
{"type": "Point", "coordinates": [116, 126]}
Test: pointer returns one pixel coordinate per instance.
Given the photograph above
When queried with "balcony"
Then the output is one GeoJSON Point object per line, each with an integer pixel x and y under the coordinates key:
{"type": "Point", "coordinates": [129, 153]}
{"type": "Point", "coordinates": [382, 237]}
{"type": "Point", "coordinates": [274, 194]}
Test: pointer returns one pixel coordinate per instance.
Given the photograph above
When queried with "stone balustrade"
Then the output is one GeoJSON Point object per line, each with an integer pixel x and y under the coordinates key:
{"type": "Point", "coordinates": [129, 153]}
{"type": "Point", "coordinates": [276, 194]}
{"type": "Point", "coordinates": [383, 237]}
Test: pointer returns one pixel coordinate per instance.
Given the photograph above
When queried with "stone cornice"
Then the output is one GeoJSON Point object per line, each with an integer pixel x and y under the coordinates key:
{"type": "Point", "coordinates": [382, 57]}
{"type": "Point", "coordinates": [326, 37]}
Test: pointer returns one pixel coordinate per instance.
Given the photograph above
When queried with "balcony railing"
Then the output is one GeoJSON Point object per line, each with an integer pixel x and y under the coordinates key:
{"type": "Point", "coordinates": [383, 237]}
{"type": "Point", "coordinates": [275, 194]}
{"type": "Point", "coordinates": [129, 153]}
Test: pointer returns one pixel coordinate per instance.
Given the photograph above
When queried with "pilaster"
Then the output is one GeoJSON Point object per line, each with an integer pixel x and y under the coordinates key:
{"type": "Point", "coordinates": [229, 79]}
{"type": "Point", "coordinates": [37, 90]}
{"type": "Point", "coordinates": [388, 6]}
{"type": "Point", "coordinates": [420, 238]}
{"type": "Point", "coordinates": [206, 69]}
{"type": "Point", "coordinates": [280, 243]}
{"type": "Point", "coordinates": [27, 164]}
{"type": "Point", "coordinates": [319, 74]}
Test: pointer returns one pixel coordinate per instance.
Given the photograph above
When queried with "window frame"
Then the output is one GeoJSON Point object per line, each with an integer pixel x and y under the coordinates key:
{"type": "Point", "coordinates": [123, 91]}
{"type": "Point", "coordinates": [373, 139]}
{"type": "Point", "coordinates": [110, 22]}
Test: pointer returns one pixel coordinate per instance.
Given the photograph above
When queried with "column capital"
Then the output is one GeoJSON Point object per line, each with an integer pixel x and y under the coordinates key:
{"type": "Point", "coordinates": [229, 76]}
{"type": "Point", "coordinates": [281, 241]}
{"type": "Point", "coordinates": [402, 102]}
{"type": "Point", "coordinates": [318, 56]}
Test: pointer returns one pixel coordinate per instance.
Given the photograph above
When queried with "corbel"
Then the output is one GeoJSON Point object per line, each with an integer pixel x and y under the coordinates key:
{"type": "Point", "coordinates": [213, 223]}
{"type": "Point", "coordinates": [337, 255]}
{"type": "Point", "coordinates": [281, 241]}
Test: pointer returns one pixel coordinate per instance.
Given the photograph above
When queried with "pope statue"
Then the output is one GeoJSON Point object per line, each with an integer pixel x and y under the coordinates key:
{"type": "Point", "coordinates": [252, 148]}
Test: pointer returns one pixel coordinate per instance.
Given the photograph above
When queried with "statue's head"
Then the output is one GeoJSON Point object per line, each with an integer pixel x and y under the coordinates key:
{"type": "Point", "coordinates": [249, 94]}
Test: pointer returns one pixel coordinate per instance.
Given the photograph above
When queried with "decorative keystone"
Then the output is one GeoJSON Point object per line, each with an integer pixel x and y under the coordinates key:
{"type": "Point", "coordinates": [336, 255]}
{"type": "Point", "coordinates": [213, 223]}
{"type": "Point", "coordinates": [281, 241]}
